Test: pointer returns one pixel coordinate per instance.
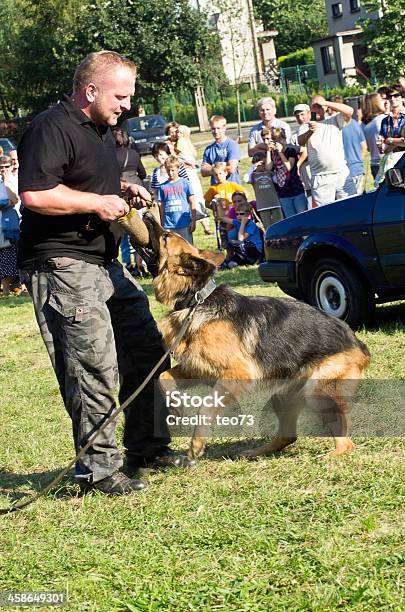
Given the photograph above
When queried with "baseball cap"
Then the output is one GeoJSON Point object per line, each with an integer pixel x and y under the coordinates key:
{"type": "Point", "coordinates": [301, 107]}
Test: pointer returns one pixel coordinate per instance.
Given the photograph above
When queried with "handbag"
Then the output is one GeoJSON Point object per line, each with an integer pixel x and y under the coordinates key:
{"type": "Point", "coordinates": [130, 176]}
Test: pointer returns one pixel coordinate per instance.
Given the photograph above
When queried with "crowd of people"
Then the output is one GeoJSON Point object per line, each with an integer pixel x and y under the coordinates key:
{"type": "Point", "coordinates": [322, 162]}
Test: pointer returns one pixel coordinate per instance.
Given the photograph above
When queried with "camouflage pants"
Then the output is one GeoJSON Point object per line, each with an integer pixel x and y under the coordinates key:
{"type": "Point", "coordinates": [96, 323]}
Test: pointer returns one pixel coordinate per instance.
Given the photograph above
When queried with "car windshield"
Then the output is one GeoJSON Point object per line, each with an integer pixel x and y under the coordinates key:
{"type": "Point", "coordinates": [146, 123]}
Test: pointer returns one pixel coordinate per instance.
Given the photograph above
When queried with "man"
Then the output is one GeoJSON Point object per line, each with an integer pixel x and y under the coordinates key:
{"type": "Point", "coordinates": [14, 169]}
{"type": "Point", "coordinates": [330, 175]}
{"type": "Point", "coordinates": [266, 108]}
{"type": "Point", "coordinates": [302, 114]}
{"type": "Point", "coordinates": [393, 125]}
{"type": "Point", "coordinates": [223, 149]}
{"type": "Point", "coordinates": [91, 313]}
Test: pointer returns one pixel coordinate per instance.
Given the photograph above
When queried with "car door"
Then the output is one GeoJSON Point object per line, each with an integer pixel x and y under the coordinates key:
{"type": "Point", "coordinates": [389, 230]}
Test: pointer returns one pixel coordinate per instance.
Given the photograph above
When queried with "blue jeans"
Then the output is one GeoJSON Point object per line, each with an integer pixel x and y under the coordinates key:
{"type": "Point", "coordinates": [294, 205]}
{"type": "Point", "coordinates": [125, 250]}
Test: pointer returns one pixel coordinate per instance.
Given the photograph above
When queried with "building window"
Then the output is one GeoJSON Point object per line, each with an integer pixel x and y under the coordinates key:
{"type": "Point", "coordinates": [354, 6]}
{"type": "Point", "coordinates": [337, 10]}
{"type": "Point", "coordinates": [328, 59]}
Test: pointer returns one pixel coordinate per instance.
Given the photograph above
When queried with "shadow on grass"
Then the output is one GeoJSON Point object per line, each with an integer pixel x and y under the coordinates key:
{"type": "Point", "coordinates": [13, 301]}
{"type": "Point", "coordinates": [18, 487]}
{"type": "Point", "coordinates": [388, 318]}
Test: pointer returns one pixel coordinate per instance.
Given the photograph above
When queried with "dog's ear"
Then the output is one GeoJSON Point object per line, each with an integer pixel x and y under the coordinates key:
{"type": "Point", "coordinates": [191, 265]}
{"type": "Point", "coordinates": [214, 258]}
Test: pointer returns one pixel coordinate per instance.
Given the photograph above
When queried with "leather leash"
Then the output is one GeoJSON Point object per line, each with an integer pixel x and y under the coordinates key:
{"type": "Point", "coordinates": [199, 297]}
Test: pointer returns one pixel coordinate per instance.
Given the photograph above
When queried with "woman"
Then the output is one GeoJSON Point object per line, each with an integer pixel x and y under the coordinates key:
{"type": "Point", "coordinates": [172, 136]}
{"type": "Point", "coordinates": [133, 171]}
{"type": "Point", "coordinates": [281, 159]}
{"type": "Point", "coordinates": [131, 166]}
{"type": "Point", "coordinates": [9, 222]}
{"type": "Point", "coordinates": [373, 113]}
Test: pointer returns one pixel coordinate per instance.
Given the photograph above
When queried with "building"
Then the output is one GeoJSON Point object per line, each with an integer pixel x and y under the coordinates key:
{"type": "Point", "coordinates": [248, 53]}
{"type": "Point", "coordinates": [340, 56]}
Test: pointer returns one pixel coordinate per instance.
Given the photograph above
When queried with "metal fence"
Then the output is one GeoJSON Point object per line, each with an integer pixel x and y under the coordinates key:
{"type": "Point", "coordinates": [299, 79]}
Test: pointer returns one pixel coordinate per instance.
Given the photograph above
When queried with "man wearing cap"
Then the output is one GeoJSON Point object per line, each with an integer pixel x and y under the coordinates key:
{"type": "Point", "coordinates": [330, 176]}
{"type": "Point", "coordinates": [266, 108]}
{"type": "Point", "coordinates": [302, 114]}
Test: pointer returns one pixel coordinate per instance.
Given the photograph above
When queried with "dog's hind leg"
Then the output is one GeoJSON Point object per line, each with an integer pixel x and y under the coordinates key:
{"type": "Point", "coordinates": [287, 407]}
{"type": "Point", "coordinates": [330, 392]}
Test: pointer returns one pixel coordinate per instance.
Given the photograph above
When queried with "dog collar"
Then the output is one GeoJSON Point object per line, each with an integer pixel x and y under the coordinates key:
{"type": "Point", "coordinates": [198, 298]}
{"type": "Point", "coordinates": [201, 295]}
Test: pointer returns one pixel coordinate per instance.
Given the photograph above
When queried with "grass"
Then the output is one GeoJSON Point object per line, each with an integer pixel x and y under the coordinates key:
{"type": "Point", "coordinates": [291, 532]}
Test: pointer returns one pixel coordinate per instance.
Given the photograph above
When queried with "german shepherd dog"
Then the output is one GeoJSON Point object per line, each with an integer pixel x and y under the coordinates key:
{"type": "Point", "coordinates": [232, 337]}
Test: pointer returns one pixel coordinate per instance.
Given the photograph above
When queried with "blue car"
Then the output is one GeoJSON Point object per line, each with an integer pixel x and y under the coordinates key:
{"type": "Point", "coordinates": [7, 145]}
{"type": "Point", "coordinates": [344, 257]}
{"type": "Point", "coordinates": [145, 131]}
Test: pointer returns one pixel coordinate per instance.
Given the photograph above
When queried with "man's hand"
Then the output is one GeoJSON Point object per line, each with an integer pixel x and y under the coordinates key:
{"type": "Point", "coordinates": [191, 227]}
{"type": "Point", "coordinates": [206, 169]}
{"type": "Point", "coordinates": [111, 207]}
{"type": "Point", "coordinates": [312, 126]}
{"type": "Point", "coordinates": [138, 194]}
{"type": "Point", "coordinates": [319, 100]}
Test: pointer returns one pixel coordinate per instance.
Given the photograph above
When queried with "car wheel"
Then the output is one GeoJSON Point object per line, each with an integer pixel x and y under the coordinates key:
{"type": "Point", "coordinates": [339, 290]}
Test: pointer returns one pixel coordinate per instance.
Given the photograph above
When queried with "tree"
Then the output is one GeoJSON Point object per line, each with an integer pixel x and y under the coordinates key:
{"type": "Point", "coordinates": [298, 22]}
{"type": "Point", "coordinates": [384, 38]}
{"type": "Point", "coordinates": [168, 40]}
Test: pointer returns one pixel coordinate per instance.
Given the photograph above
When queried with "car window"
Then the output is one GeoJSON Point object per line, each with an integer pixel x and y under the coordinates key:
{"type": "Point", "coordinates": [146, 123]}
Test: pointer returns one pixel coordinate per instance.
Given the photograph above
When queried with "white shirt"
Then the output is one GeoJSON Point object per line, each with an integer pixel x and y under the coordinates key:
{"type": "Point", "coordinates": [325, 147]}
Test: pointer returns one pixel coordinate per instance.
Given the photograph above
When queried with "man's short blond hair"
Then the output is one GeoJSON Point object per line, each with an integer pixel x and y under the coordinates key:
{"type": "Point", "coordinates": [99, 63]}
{"type": "Point", "coordinates": [263, 101]}
{"type": "Point", "coordinates": [217, 119]}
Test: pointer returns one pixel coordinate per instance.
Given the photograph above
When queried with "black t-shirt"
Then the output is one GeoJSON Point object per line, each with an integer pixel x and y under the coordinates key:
{"type": "Point", "coordinates": [63, 146]}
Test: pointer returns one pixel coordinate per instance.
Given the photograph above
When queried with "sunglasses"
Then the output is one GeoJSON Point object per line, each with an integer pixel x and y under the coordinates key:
{"type": "Point", "coordinates": [2, 167]}
{"type": "Point", "coordinates": [398, 95]}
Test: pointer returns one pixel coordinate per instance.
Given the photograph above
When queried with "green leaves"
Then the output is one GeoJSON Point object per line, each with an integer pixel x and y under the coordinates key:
{"type": "Point", "coordinates": [385, 39]}
{"type": "Point", "coordinates": [298, 22]}
{"type": "Point", "coordinates": [168, 40]}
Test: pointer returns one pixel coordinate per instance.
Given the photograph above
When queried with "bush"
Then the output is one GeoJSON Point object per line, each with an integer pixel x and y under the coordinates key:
{"type": "Point", "coordinates": [301, 57]}
{"type": "Point", "coordinates": [186, 113]}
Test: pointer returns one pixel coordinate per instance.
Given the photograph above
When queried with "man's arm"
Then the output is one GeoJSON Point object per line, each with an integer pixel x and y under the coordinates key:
{"type": "Point", "coordinates": [339, 107]}
{"type": "Point", "coordinates": [303, 138]}
{"type": "Point", "coordinates": [62, 200]}
{"type": "Point", "coordinates": [206, 169]}
{"type": "Point", "coordinates": [232, 165]}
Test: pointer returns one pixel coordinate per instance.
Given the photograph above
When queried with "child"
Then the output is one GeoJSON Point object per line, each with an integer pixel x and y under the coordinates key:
{"type": "Point", "coordinates": [245, 246]}
{"type": "Point", "coordinates": [178, 203]}
{"type": "Point", "coordinates": [222, 190]}
{"type": "Point", "coordinates": [267, 201]}
{"type": "Point", "coordinates": [282, 160]}
{"type": "Point", "coordinates": [239, 198]}
{"type": "Point", "coordinates": [161, 152]}
{"type": "Point", "coordinates": [220, 196]}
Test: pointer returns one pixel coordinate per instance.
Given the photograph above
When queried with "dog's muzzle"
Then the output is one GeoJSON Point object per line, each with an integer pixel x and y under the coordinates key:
{"type": "Point", "coordinates": [151, 252]}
